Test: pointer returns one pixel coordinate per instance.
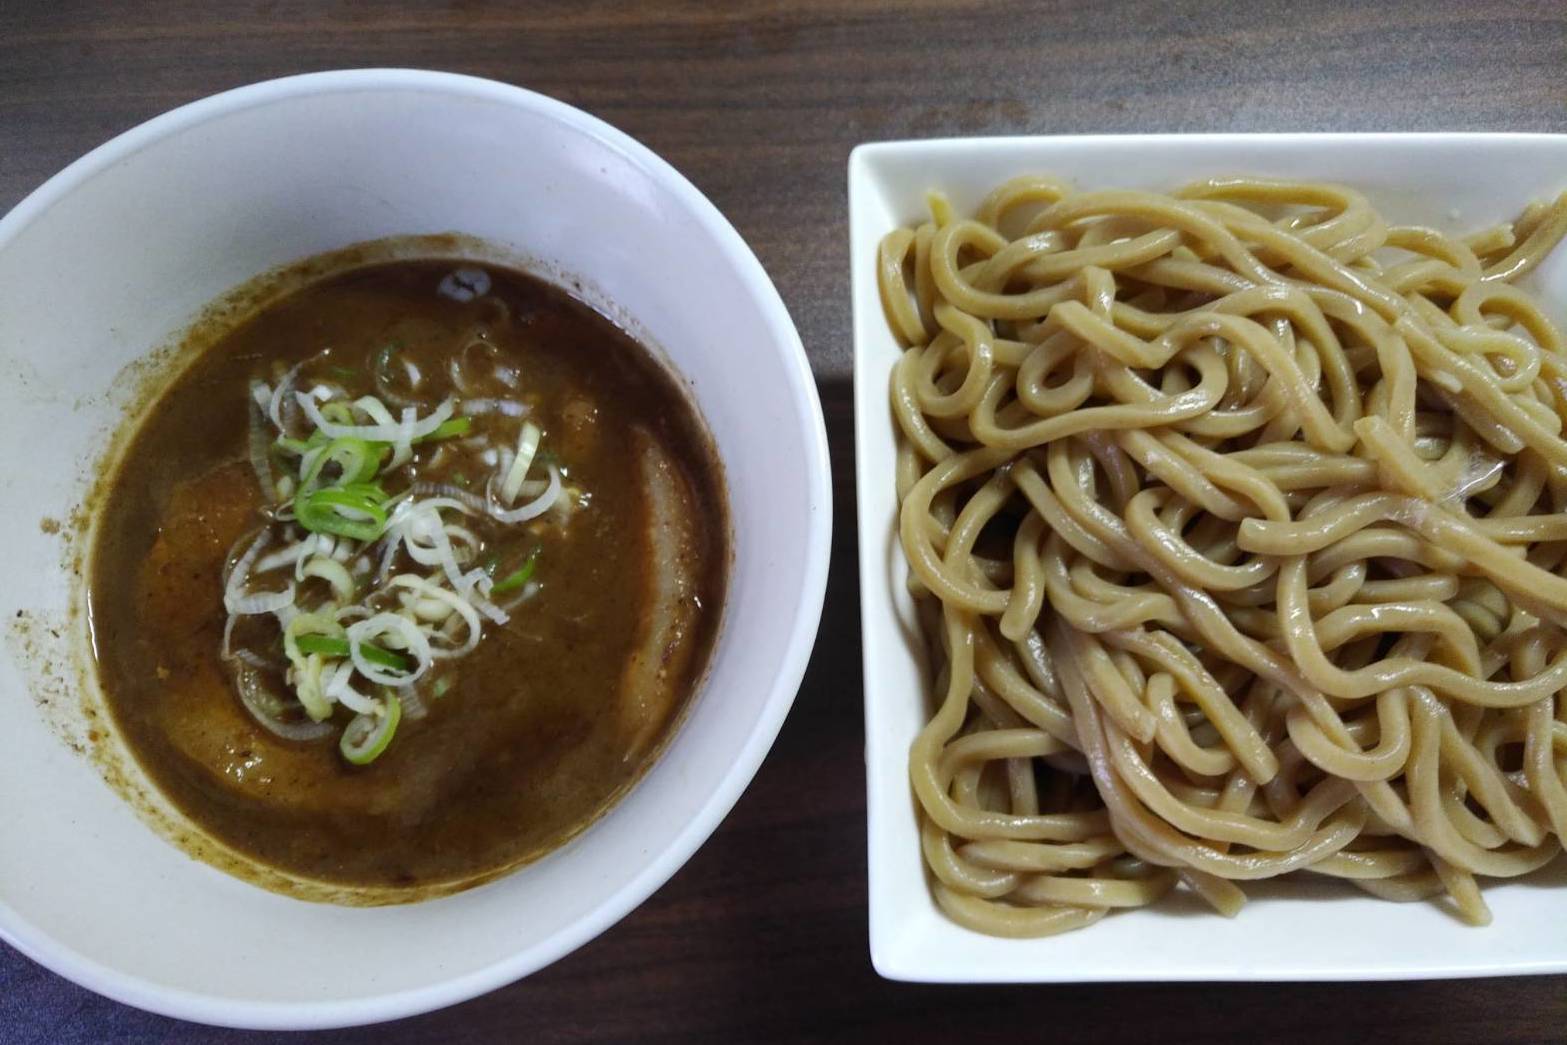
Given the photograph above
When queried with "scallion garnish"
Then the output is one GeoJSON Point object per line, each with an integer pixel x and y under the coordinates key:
{"type": "Point", "coordinates": [518, 577]}
{"type": "Point", "coordinates": [355, 511]}
{"type": "Point", "coordinates": [448, 429]}
{"type": "Point", "coordinates": [367, 736]}
{"type": "Point", "coordinates": [398, 557]}
{"type": "Point", "coordinates": [337, 412]}
{"type": "Point", "coordinates": [357, 460]}
{"type": "Point", "coordinates": [329, 646]}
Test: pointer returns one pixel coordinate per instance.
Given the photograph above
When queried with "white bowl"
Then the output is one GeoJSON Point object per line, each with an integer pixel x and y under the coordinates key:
{"type": "Point", "coordinates": [1290, 931]}
{"type": "Point", "coordinates": [115, 255]}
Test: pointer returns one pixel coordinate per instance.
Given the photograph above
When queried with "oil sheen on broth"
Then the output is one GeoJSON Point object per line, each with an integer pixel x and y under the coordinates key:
{"type": "Point", "coordinates": [609, 597]}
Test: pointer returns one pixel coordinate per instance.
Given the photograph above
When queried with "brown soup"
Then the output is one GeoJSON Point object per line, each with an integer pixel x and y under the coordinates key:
{"type": "Point", "coordinates": [499, 753]}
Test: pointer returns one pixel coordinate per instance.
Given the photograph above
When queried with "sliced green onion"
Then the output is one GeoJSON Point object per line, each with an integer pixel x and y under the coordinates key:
{"type": "Point", "coordinates": [334, 573]}
{"type": "Point", "coordinates": [367, 736]}
{"type": "Point", "coordinates": [323, 644]}
{"type": "Point", "coordinates": [448, 429]}
{"type": "Point", "coordinates": [328, 646]}
{"type": "Point", "coordinates": [384, 657]}
{"type": "Point", "coordinates": [338, 413]}
{"type": "Point", "coordinates": [307, 668]}
{"type": "Point", "coordinates": [357, 460]}
{"type": "Point", "coordinates": [517, 578]}
{"type": "Point", "coordinates": [289, 445]}
{"type": "Point", "coordinates": [356, 511]}
{"type": "Point", "coordinates": [442, 684]}
{"type": "Point", "coordinates": [527, 447]}
{"type": "Point", "coordinates": [345, 373]}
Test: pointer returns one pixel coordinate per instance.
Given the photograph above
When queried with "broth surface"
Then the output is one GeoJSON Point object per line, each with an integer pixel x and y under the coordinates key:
{"type": "Point", "coordinates": [548, 720]}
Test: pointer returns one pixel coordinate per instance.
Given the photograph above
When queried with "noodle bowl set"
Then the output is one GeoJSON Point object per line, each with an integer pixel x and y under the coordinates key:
{"type": "Point", "coordinates": [434, 576]}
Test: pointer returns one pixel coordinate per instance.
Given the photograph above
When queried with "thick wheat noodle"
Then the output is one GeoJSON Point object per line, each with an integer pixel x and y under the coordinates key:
{"type": "Point", "coordinates": [1236, 520]}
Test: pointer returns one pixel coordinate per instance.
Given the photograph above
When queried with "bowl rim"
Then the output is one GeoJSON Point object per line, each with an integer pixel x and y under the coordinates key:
{"type": "Point", "coordinates": [198, 1006]}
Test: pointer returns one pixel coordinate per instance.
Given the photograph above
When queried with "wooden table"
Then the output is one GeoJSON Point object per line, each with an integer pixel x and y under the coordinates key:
{"type": "Point", "coordinates": [763, 935]}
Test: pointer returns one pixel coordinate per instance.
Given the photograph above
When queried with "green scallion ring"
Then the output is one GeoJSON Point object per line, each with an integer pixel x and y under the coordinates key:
{"type": "Point", "coordinates": [328, 646]}
{"type": "Point", "coordinates": [357, 512]}
{"type": "Point", "coordinates": [518, 577]}
{"type": "Point", "coordinates": [357, 460]}
{"type": "Point", "coordinates": [367, 736]}
{"type": "Point", "coordinates": [448, 430]}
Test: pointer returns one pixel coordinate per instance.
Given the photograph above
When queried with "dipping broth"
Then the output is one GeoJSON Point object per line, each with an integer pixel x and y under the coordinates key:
{"type": "Point", "coordinates": [407, 578]}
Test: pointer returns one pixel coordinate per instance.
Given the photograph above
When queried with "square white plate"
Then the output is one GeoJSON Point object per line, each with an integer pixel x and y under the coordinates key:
{"type": "Point", "coordinates": [1291, 930]}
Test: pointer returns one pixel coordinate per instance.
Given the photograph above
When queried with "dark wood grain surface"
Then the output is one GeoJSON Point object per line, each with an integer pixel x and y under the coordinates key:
{"type": "Point", "coordinates": [762, 937]}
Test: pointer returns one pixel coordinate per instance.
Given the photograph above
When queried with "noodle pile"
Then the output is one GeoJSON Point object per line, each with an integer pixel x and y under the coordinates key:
{"type": "Point", "coordinates": [1237, 521]}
